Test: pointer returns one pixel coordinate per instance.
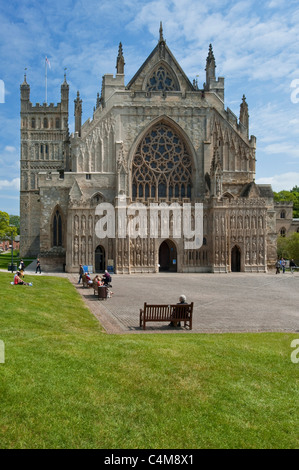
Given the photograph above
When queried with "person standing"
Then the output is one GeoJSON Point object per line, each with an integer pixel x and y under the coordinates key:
{"type": "Point", "coordinates": [277, 266]}
{"type": "Point", "coordinates": [292, 265]}
{"type": "Point", "coordinates": [38, 267]}
{"type": "Point", "coordinates": [81, 272]}
{"type": "Point", "coordinates": [283, 265]}
{"type": "Point", "coordinates": [22, 268]}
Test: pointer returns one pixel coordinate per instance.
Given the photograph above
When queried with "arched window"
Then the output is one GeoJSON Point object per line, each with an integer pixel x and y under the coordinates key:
{"type": "Point", "coordinates": [283, 214]}
{"type": "Point", "coordinates": [162, 166]}
{"type": "Point", "coordinates": [162, 80]}
{"type": "Point", "coordinates": [283, 232]}
{"type": "Point", "coordinates": [33, 123]}
{"type": "Point", "coordinates": [57, 229]}
{"type": "Point", "coordinates": [57, 123]}
{"type": "Point", "coordinates": [46, 124]}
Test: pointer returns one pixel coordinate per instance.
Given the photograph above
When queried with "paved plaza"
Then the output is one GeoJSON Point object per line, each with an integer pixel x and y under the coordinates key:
{"type": "Point", "coordinates": [235, 302]}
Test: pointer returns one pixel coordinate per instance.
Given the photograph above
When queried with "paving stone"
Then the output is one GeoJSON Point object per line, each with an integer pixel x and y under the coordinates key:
{"type": "Point", "coordinates": [223, 303]}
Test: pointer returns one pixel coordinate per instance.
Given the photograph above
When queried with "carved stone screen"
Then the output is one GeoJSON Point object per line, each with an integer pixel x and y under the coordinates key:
{"type": "Point", "coordinates": [162, 166]}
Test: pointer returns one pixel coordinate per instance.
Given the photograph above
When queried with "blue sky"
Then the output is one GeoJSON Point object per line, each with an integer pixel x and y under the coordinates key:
{"type": "Point", "coordinates": [256, 47]}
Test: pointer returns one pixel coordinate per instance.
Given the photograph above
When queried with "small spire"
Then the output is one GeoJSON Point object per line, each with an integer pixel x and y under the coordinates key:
{"type": "Point", "coordinates": [244, 115]}
{"type": "Point", "coordinates": [210, 57]}
{"type": "Point", "coordinates": [120, 61]}
{"type": "Point", "coordinates": [98, 101]}
{"type": "Point", "coordinates": [161, 32]}
{"type": "Point", "coordinates": [25, 77]}
{"type": "Point", "coordinates": [210, 68]}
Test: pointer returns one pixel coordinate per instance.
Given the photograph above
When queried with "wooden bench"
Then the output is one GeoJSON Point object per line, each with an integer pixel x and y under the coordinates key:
{"type": "Point", "coordinates": [170, 313]}
{"type": "Point", "coordinates": [94, 284]}
{"type": "Point", "coordinates": [102, 292]}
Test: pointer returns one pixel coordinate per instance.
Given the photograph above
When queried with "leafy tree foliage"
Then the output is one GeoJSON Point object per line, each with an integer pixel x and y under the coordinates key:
{"type": "Point", "coordinates": [5, 229]}
{"type": "Point", "coordinates": [289, 196]}
{"type": "Point", "coordinates": [288, 247]}
{"type": "Point", "coordinates": [15, 220]}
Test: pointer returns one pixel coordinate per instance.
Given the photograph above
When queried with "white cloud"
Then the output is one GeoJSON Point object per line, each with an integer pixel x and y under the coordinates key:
{"type": "Point", "coordinates": [10, 185]}
{"type": "Point", "coordinates": [285, 181]}
{"type": "Point", "coordinates": [10, 149]}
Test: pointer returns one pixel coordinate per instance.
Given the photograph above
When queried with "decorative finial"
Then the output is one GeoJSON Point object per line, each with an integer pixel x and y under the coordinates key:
{"type": "Point", "coordinates": [65, 69]}
{"type": "Point", "coordinates": [120, 61]}
{"type": "Point", "coordinates": [161, 32]}
{"type": "Point", "coordinates": [210, 57]}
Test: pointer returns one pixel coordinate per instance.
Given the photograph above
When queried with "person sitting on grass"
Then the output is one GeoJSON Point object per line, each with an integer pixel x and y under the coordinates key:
{"type": "Point", "coordinates": [19, 282]}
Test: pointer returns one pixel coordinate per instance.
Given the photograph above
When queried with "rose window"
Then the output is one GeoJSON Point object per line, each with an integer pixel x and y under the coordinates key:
{"type": "Point", "coordinates": [162, 166]}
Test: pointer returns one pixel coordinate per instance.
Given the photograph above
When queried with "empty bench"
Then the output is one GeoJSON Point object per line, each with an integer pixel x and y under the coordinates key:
{"type": "Point", "coordinates": [170, 313]}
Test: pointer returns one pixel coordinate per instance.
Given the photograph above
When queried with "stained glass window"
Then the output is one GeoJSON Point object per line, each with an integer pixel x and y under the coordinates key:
{"type": "Point", "coordinates": [162, 166]}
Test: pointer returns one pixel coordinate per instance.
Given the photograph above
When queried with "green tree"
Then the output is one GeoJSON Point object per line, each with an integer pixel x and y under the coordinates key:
{"type": "Point", "coordinates": [5, 230]}
{"type": "Point", "coordinates": [288, 247]}
{"type": "Point", "coordinates": [293, 246]}
{"type": "Point", "coordinates": [282, 247]}
{"type": "Point", "coordinates": [289, 196]}
{"type": "Point", "coordinates": [15, 220]}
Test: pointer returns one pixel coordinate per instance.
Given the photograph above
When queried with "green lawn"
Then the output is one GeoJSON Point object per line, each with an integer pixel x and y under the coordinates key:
{"type": "Point", "coordinates": [5, 260]}
{"type": "Point", "coordinates": [65, 383]}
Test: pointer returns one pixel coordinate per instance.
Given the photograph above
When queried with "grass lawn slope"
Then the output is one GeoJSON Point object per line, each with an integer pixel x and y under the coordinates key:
{"type": "Point", "coordinates": [65, 383]}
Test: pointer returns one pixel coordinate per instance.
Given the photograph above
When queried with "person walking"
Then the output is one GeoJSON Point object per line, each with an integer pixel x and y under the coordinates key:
{"type": "Point", "coordinates": [81, 272]}
{"type": "Point", "coordinates": [283, 265]}
{"type": "Point", "coordinates": [292, 266]}
{"type": "Point", "coordinates": [22, 268]}
{"type": "Point", "coordinates": [38, 267]}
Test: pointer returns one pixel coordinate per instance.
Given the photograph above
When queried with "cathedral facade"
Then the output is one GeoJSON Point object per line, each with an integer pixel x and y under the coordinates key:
{"type": "Point", "coordinates": [157, 142]}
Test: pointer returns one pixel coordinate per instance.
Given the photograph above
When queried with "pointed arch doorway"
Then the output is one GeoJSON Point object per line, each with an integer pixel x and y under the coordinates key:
{"type": "Point", "coordinates": [168, 257]}
{"type": "Point", "coordinates": [236, 260]}
{"type": "Point", "coordinates": [100, 259]}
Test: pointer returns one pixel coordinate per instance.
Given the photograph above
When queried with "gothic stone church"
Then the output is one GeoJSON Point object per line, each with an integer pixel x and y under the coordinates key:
{"type": "Point", "coordinates": [158, 138]}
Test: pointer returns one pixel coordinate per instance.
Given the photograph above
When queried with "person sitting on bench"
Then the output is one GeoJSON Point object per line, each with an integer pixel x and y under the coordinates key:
{"type": "Point", "coordinates": [182, 300]}
{"type": "Point", "coordinates": [106, 278]}
{"type": "Point", "coordinates": [88, 280]}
